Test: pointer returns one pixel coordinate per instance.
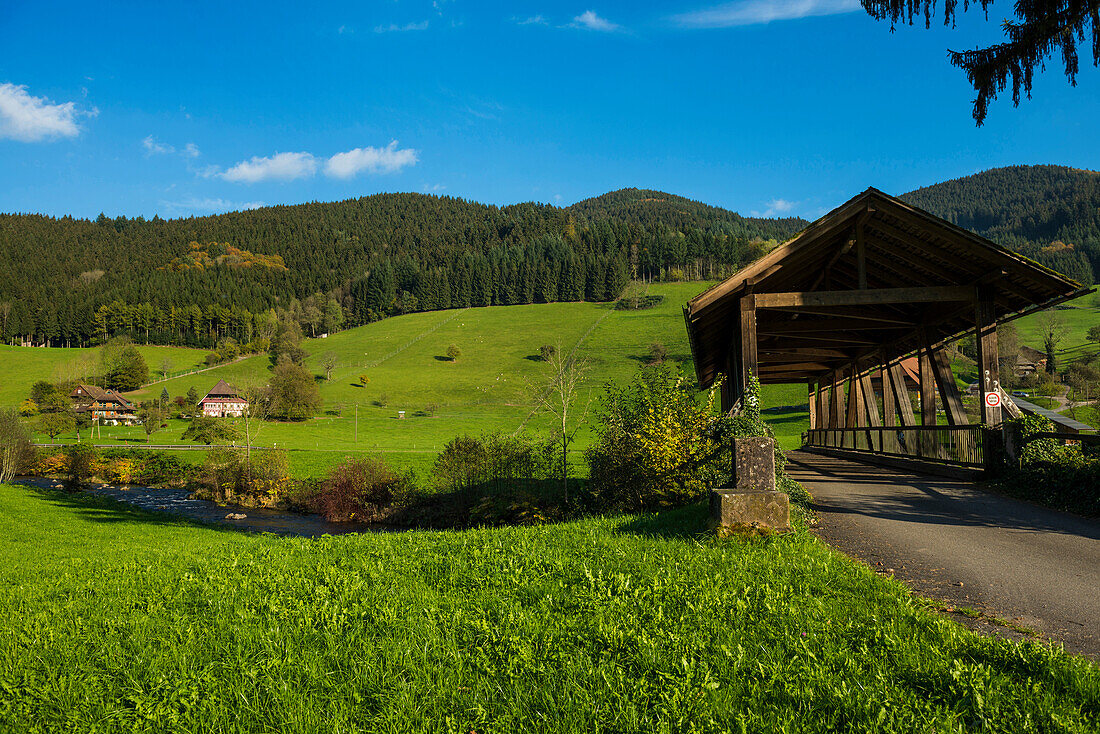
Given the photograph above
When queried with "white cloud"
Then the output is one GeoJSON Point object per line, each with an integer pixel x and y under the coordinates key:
{"type": "Point", "coordinates": [755, 12]}
{"type": "Point", "coordinates": [30, 119]}
{"type": "Point", "coordinates": [152, 146]}
{"type": "Point", "coordinates": [344, 29]}
{"type": "Point", "coordinates": [393, 27]}
{"type": "Point", "coordinates": [208, 205]}
{"type": "Point", "coordinates": [279, 167]}
{"type": "Point", "coordinates": [590, 21]}
{"type": "Point", "coordinates": [370, 159]}
{"type": "Point", "coordinates": [191, 150]}
{"type": "Point", "coordinates": [533, 20]}
{"type": "Point", "coordinates": [434, 187]}
{"type": "Point", "coordinates": [777, 208]}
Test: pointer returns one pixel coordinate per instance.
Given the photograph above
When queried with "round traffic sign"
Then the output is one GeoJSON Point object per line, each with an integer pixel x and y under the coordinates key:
{"type": "Point", "coordinates": [992, 399]}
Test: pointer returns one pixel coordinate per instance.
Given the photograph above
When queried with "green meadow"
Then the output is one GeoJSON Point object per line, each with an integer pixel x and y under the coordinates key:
{"type": "Point", "coordinates": [490, 387]}
{"type": "Point", "coordinates": [23, 366]}
{"type": "Point", "coordinates": [117, 620]}
{"type": "Point", "coordinates": [1077, 316]}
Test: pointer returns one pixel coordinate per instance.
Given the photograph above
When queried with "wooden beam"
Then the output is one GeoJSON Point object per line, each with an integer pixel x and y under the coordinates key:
{"type": "Point", "coordinates": [889, 399]}
{"type": "Point", "coordinates": [827, 325]}
{"type": "Point", "coordinates": [748, 359]}
{"type": "Point", "coordinates": [901, 395]}
{"type": "Point", "coordinates": [797, 367]}
{"type": "Point", "coordinates": [842, 341]}
{"type": "Point", "coordinates": [927, 388]}
{"type": "Point", "coordinates": [822, 404]}
{"type": "Point", "coordinates": [869, 297]}
{"type": "Point", "coordinates": [949, 391]}
{"type": "Point", "coordinates": [861, 254]}
{"type": "Point", "coordinates": [801, 352]}
{"type": "Point", "coordinates": [870, 408]}
{"type": "Point", "coordinates": [989, 372]}
{"type": "Point", "coordinates": [811, 403]}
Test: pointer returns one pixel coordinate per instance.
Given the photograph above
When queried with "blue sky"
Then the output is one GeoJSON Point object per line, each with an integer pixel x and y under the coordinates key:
{"type": "Point", "coordinates": [788, 106]}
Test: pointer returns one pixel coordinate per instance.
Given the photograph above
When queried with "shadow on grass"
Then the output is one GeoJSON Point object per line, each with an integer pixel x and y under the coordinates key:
{"type": "Point", "coordinates": [680, 522]}
{"type": "Point", "coordinates": [785, 409]}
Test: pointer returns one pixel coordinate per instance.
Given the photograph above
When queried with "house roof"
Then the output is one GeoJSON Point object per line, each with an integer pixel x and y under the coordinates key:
{"type": "Point", "coordinates": [1030, 354]}
{"type": "Point", "coordinates": [903, 247]}
{"type": "Point", "coordinates": [99, 394]}
{"type": "Point", "coordinates": [222, 390]}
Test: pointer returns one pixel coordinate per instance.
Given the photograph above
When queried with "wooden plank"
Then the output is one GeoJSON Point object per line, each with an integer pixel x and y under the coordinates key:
{"type": "Point", "coordinates": [770, 353]}
{"type": "Point", "coordinates": [927, 389]}
{"type": "Point", "coordinates": [811, 403]}
{"type": "Point", "coordinates": [949, 391]}
{"type": "Point", "coordinates": [861, 254]}
{"type": "Point", "coordinates": [822, 404]}
{"type": "Point", "coordinates": [989, 372]}
{"type": "Point", "coordinates": [797, 367]}
{"type": "Point", "coordinates": [832, 312]}
{"type": "Point", "coordinates": [870, 408]}
{"type": "Point", "coordinates": [889, 400]}
{"type": "Point", "coordinates": [826, 325]}
{"type": "Point", "coordinates": [901, 395]}
{"type": "Point", "coordinates": [748, 361]}
{"type": "Point", "coordinates": [869, 297]}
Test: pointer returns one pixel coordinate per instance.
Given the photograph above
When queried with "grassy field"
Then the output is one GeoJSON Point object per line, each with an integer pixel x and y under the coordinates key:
{"type": "Point", "coordinates": [1079, 315]}
{"type": "Point", "coordinates": [489, 388]}
{"type": "Point", "coordinates": [23, 366]}
{"type": "Point", "coordinates": [115, 620]}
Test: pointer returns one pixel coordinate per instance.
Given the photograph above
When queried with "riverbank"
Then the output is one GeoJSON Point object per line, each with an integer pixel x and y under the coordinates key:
{"type": "Point", "coordinates": [181, 503]}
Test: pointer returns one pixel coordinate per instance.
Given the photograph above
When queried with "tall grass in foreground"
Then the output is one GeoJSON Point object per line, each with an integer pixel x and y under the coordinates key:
{"type": "Point", "coordinates": [113, 620]}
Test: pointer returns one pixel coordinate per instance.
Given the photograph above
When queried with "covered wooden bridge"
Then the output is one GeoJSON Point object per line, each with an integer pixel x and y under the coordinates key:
{"type": "Point", "coordinates": [839, 306]}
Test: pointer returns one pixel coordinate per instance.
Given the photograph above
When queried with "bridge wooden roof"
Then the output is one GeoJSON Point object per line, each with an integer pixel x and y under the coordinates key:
{"type": "Point", "coordinates": [872, 246]}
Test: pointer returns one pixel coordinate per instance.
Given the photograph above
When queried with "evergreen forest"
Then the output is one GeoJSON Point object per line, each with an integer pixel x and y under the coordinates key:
{"type": "Point", "coordinates": [199, 280]}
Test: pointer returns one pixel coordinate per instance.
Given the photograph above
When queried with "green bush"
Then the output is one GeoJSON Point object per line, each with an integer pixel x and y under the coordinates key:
{"type": "Point", "coordinates": [1063, 477]}
{"type": "Point", "coordinates": [359, 490]}
{"type": "Point", "coordinates": [656, 445]}
{"type": "Point", "coordinates": [230, 476]}
{"type": "Point", "coordinates": [82, 460]}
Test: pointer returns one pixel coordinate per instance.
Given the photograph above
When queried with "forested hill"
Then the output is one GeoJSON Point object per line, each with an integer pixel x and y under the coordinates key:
{"type": "Point", "coordinates": [1049, 213]}
{"type": "Point", "coordinates": [69, 281]}
{"type": "Point", "coordinates": [331, 265]}
{"type": "Point", "coordinates": [656, 208]}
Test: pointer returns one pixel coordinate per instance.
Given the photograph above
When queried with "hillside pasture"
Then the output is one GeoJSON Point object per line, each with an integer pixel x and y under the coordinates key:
{"type": "Point", "coordinates": [123, 620]}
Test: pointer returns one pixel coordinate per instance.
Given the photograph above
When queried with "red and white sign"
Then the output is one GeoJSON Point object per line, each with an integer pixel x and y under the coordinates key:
{"type": "Point", "coordinates": [992, 399]}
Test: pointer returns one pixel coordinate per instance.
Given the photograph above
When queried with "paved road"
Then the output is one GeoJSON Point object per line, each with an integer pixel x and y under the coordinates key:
{"type": "Point", "coordinates": [1012, 560]}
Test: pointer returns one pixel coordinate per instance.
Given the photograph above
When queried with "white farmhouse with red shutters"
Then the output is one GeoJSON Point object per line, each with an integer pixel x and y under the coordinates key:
{"type": "Point", "coordinates": [223, 401]}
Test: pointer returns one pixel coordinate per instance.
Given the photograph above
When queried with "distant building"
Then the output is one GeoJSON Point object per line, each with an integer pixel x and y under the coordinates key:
{"type": "Point", "coordinates": [106, 406]}
{"type": "Point", "coordinates": [223, 401]}
{"type": "Point", "coordinates": [1029, 361]}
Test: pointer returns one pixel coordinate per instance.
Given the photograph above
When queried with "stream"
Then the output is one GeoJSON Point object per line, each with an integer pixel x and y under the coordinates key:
{"type": "Point", "coordinates": [179, 502]}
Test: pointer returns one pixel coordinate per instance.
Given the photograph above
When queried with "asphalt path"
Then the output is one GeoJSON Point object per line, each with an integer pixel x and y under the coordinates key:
{"type": "Point", "coordinates": [1038, 570]}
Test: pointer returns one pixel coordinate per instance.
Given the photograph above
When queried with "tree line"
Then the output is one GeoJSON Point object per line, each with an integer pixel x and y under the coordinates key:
{"type": "Point", "coordinates": [193, 281]}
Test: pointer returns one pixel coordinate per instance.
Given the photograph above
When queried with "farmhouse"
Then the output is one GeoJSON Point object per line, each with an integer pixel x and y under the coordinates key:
{"type": "Point", "coordinates": [105, 406]}
{"type": "Point", "coordinates": [1029, 361]}
{"type": "Point", "coordinates": [222, 401]}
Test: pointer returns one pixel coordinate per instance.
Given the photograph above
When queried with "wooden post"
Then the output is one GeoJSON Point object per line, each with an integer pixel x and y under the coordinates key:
{"type": "Point", "coordinates": [851, 419]}
{"type": "Point", "coordinates": [871, 408]}
{"type": "Point", "coordinates": [811, 403]}
{"type": "Point", "coordinates": [731, 372]}
{"type": "Point", "coordinates": [901, 395]}
{"type": "Point", "coordinates": [748, 360]}
{"type": "Point", "coordinates": [822, 405]}
{"type": "Point", "coordinates": [838, 401]}
{"type": "Point", "coordinates": [889, 410]}
{"type": "Point", "coordinates": [927, 402]}
{"type": "Point", "coordinates": [949, 391]}
{"type": "Point", "coordinates": [989, 378]}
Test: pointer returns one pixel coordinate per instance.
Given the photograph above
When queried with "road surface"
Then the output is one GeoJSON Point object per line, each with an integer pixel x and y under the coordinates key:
{"type": "Point", "coordinates": [1036, 568]}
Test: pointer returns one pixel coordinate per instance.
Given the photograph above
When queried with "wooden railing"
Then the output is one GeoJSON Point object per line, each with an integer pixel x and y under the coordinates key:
{"type": "Point", "coordinates": [956, 445]}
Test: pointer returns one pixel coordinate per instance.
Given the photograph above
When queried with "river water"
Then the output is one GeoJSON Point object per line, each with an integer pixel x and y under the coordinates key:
{"type": "Point", "coordinates": [179, 502]}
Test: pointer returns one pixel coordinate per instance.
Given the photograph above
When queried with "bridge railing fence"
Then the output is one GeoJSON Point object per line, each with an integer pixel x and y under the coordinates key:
{"type": "Point", "coordinates": [957, 445]}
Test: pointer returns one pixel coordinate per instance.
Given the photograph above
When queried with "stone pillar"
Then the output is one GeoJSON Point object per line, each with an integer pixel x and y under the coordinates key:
{"type": "Point", "coordinates": [753, 501]}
